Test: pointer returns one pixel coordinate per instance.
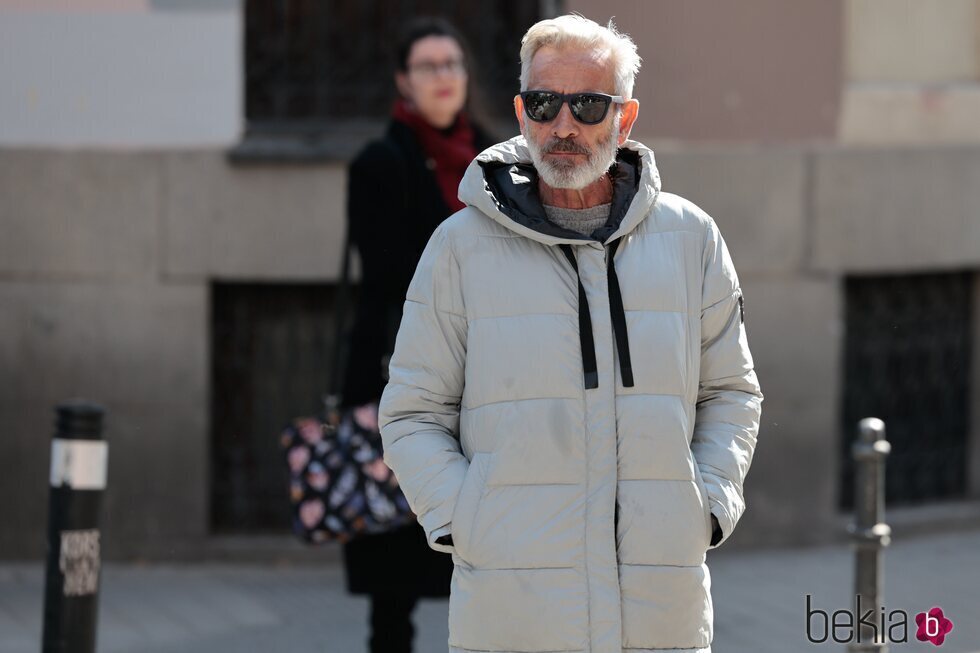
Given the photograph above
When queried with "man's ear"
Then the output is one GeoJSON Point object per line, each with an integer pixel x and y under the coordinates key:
{"type": "Point", "coordinates": [631, 109]}
{"type": "Point", "coordinates": [519, 111]}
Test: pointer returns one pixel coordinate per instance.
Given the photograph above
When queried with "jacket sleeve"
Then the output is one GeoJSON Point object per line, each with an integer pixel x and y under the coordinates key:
{"type": "Point", "coordinates": [729, 402]}
{"type": "Point", "coordinates": [419, 409]}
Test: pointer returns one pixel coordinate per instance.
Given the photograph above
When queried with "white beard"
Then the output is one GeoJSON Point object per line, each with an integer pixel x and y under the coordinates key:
{"type": "Point", "coordinates": [567, 174]}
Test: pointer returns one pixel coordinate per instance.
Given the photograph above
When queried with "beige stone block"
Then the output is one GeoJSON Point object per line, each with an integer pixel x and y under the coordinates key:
{"type": "Point", "coordinates": [112, 341]}
{"type": "Point", "coordinates": [79, 214]}
{"type": "Point", "coordinates": [908, 113]}
{"type": "Point", "coordinates": [794, 330]}
{"type": "Point", "coordinates": [976, 38]}
{"type": "Point", "coordinates": [755, 194]}
{"type": "Point", "coordinates": [266, 222]}
{"type": "Point", "coordinates": [920, 41]}
{"type": "Point", "coordinates": [141, 351]}
{"type": "Point", "coordinates": [896, 209]}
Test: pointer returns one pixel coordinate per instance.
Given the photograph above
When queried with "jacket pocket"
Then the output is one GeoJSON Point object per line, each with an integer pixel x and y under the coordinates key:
{"type": "Point", "coordinates": [467, 503]}
{"type": "Point", "coordinates": [705, 503]}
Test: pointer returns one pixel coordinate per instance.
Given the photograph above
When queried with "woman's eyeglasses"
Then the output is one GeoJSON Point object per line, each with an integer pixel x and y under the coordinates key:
{"type": "Point", "coordinates": [454, 67]}
{"type": "Point", "coordinates": [588, 108]}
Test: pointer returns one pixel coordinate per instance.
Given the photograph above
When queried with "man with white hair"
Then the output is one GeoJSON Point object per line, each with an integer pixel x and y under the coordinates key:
{"type": "Point", "coordinates": [572, 407]}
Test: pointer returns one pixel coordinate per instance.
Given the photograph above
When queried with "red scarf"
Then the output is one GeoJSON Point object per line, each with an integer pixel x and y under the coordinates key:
{"type": "Point", "coordinates": [452, 150]}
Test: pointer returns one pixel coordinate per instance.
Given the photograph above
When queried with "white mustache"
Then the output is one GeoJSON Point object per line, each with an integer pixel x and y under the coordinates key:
{"type": "Point", "coordinates": [560, 145]}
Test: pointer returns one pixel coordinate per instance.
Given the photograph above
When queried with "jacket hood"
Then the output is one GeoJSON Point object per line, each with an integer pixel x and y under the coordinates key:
{"type": "Point", "coordinates": [503, 183]}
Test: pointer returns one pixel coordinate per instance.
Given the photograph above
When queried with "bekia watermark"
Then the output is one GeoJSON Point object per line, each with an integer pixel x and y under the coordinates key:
{"type": "Point", "coordinates": [844, 626]}
{"type": "Point", "coordinates": [933, 626]}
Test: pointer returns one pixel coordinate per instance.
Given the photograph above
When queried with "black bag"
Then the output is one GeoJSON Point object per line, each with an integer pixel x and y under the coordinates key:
{"type": "Point", "coordinates": [339, 485]}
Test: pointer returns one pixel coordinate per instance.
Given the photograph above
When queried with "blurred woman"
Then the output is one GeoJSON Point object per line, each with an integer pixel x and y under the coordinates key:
{"type": "Point", "coordinates": [400, 188]}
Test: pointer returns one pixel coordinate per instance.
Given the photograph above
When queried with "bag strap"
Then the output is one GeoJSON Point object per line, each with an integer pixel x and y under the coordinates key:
{"type": "Point", "coordinates": [333, 397]}
{"type": "Point", "coordinates": [393, 311]}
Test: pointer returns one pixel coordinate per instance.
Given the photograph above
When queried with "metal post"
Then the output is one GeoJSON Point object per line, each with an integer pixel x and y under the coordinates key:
{"type": "Point", "coordinates": [79, 457]}
{"type": "Point", "coordinates": [869, 534]}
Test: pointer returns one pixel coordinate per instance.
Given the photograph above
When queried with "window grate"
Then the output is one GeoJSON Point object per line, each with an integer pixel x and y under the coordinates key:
{"type": "Point", "coordinates": [907, 361]}
{"type": "Point", "coordinates": [271, 354]}
{"type": "Point", "coordinates": [312, 62]}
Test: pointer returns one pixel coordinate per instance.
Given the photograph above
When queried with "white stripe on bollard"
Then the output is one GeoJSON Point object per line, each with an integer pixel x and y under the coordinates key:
{"type": "Point", "coordinates": [79, 464]}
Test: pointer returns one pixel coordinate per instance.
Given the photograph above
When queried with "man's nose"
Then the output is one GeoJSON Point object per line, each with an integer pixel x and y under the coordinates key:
{"type": "Point", "coordinates": [564, 125]}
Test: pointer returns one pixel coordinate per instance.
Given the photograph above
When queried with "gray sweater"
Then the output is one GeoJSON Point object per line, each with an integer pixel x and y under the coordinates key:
{"type": "Point", "coordinates": [584, 221]}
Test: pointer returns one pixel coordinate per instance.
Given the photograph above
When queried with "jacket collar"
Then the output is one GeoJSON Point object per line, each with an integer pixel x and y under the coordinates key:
{"type": "Point", "coordinates": [503, 183]}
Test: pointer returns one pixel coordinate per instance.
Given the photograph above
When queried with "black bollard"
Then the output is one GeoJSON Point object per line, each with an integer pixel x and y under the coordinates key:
{"type": "Point", "coordinates": [869, 532]}
{"type": "Point", "coordinates": [79, 457]}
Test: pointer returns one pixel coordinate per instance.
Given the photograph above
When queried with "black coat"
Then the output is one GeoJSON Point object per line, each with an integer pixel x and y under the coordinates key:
{"type": "Point", "coordinates": [394, 205]}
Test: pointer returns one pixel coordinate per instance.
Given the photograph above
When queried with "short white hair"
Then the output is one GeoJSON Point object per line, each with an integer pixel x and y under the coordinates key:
{"type": "Point", "coordinates": [575, 30]}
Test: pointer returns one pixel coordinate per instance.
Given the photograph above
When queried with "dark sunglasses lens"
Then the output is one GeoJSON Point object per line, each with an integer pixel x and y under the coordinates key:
{"type": "Point", "coordinates": [542, 106]}
{"type": "Point", "coordinates": [589, 108]}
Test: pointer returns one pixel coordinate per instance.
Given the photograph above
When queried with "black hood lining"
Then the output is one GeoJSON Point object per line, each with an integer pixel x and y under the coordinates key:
{"type": "Point", "coordinates": [514, 189]}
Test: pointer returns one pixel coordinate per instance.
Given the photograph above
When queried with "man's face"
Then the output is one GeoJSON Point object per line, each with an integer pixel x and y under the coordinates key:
{"type": "Point", "coordinates": [566, 152]}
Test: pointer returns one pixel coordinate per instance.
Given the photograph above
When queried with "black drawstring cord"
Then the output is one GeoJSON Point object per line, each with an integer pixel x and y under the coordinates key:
{"type": "Point", "coordinates": [618, 315]}
{"type": "Point", "coordinates": [584, 326]}
{"type": "Point", "coordinates": [619, 318]}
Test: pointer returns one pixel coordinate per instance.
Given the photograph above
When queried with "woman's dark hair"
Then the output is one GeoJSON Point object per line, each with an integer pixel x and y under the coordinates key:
{"type": "Point", "coordinates": [423, 26]}
{"type": "Point", "coordinates": [418, 29]}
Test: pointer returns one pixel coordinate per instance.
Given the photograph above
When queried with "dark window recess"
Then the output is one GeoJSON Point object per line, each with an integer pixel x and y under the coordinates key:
{"type": "Point", "coordinates": [271, 355]}
{"type": "Point", "coordinates": [907, 361]}
{"type": "Point", "coordinates": [318, 69]}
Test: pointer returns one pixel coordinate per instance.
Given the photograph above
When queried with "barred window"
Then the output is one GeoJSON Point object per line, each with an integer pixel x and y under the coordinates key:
{"type": "Point", "coordinates": [321, 72]}
{"type": "Point", "coordinates": [907, 361]}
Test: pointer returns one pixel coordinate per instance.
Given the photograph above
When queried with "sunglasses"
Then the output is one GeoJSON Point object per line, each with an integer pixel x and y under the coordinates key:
{"type": "Point", "coordinates": [587, 108]}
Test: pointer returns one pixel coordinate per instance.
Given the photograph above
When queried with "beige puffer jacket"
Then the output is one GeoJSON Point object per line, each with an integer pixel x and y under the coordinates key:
{"type": "Point", "coordinates": [572, 411]}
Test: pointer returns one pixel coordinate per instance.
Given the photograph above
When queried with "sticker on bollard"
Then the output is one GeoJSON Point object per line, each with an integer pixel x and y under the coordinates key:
{"type": "Point", "coordinates": [79, 562]}
{"type": "Point", "coordinates": [79, 464]}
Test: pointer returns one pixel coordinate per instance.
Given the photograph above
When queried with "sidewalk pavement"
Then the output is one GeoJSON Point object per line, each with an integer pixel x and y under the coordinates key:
{"type": "Point", "coordinates": [759, 600]}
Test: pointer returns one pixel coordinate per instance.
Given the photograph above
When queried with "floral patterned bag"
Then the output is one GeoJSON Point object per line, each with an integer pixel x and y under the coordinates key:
{"type": "Point", "coordinates": [339, 485]}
